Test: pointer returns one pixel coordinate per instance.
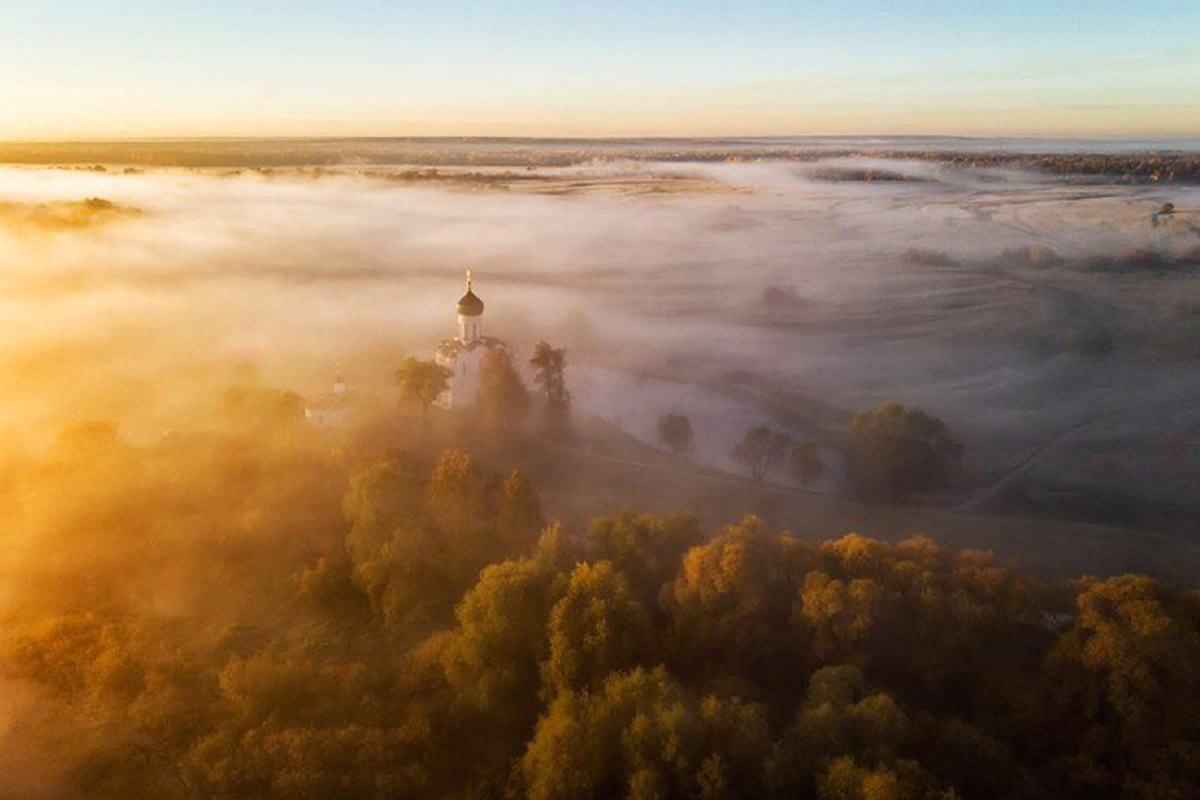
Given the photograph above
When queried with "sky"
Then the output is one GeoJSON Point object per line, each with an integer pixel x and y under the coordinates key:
{"type": "Point", "coordinates": [81, 69]}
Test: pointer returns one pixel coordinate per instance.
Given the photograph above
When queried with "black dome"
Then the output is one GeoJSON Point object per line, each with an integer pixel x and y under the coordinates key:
{"type": "Point", "coordinates": [469, 305]}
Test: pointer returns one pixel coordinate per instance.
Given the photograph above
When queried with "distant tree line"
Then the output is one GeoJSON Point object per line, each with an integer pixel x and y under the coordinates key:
{"type": "Point", "coordinates": [891, 453]}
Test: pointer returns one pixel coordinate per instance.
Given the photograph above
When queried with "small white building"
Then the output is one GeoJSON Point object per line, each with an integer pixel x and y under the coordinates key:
{"type": "Point", "coordinates": [332, 410]}
{"type": "Point", "coordinates": [463, 354]}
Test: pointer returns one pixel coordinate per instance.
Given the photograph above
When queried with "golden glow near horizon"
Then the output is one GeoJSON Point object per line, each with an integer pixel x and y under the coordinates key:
{"type": "Point", "coordinates": [624, 70]}
{"type": "Point", "coordinates": [627, 117]}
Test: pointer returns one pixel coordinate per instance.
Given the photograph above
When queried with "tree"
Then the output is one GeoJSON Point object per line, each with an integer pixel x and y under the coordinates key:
{"type": "Point", "coordinates": [422, 381]}
{"type": "Point", "coordinates": [519, 513]}
{"type": "Point", "coordinates": [491, 659]}
{"type": "Point", "coordinates": [596, 629]}
{"type": "Point", "coordinates": [754, 451]}
{"type": "Point", "coordinates": [262, 407]}
{"type": "Point", "coordinates": [894, 452]}
{"type": "Point", "coordinates": [549, 364]}
{"type": "Point", "coordinates": [502, 396]}
{"type": "Point", "coordinates": [730, 610]}
{"type": "Point", "coordinates": [804, 461]}
{"type": "Point", "coordinates": [762, 450]}
{"type": "Point", "coordinates": [647, 549]}
{"type": "Point", "coordinates": [1126, 668]}
{"type": "Point", "coordinates": [643, 735]}
{"type": "Point", "coordinates": [378, 500]}
{"type": "Point", "coordinates": [675, 432]}
{"type": "Point", "coordinates": [837, 615]}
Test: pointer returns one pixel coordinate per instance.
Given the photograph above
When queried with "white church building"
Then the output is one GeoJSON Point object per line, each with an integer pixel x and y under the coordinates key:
{"type": "Point", "coordinates": [334, 409]}
{"type": "Point", "coordinates": [463, 354]}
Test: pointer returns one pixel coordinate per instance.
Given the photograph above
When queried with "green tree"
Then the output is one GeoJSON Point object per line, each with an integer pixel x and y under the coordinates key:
{"type": "Point", "coordinates": [492, 658]}
{"type": "Point", "coordinates": [549, 365]}
{"type": "Point", "coordinates": [804, 461]}
{"type": "Point", "coordinates": [422, 382]}
{"type": "Point", "coordinates": [456, 496]}
{"type": "Point", "coordinates": [262, 407]}
{"type": "Point", "coordinates": [895, 452]}
{"type": "Point", "coordinates": [762, 450]}
{"type": "Point", "coordinates": [675, 432]}
{"type": "Point", "coordinates": [519, 513]}
{"type": "Point", "coordinates": [378, 501]}
{"type": "Point", "coordinates": [754, 451]}
{"type": "Point", "coordinates": [502, 397]}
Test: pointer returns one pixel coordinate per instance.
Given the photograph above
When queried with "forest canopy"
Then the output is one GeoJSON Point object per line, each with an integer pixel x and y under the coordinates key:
{"type": "Point", "coordinates": [255, 614]}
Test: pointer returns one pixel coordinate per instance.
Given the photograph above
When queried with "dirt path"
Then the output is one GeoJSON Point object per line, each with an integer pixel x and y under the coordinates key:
{"type": "Point", "coordinates": [987, 493]}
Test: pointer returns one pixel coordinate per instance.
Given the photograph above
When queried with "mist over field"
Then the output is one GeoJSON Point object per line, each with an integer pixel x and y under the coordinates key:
{"type": "Point", "coordinates": [202, 594]}
{"type": "Point", "coordinates": [1003, 300]}
{"type": "Point", "coordinates": [598, 401]}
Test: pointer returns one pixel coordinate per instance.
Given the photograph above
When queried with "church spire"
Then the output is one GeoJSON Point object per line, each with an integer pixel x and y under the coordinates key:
{"type": "Point", "coordinates": [470, 309]}
{"type": "Point", "coordinates": [469, 305]}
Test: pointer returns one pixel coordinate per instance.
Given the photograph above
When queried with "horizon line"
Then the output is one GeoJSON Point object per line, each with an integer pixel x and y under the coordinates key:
{"type": "Point", "coordinates": [581, 138]}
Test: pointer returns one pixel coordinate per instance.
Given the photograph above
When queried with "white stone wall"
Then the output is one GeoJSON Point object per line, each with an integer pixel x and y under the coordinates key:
{"type": "Point", "coordinates": [464, 378]}
{"type": "Point", "coordinates": [469, 328]}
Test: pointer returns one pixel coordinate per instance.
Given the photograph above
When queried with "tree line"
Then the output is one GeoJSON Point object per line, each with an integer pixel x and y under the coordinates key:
{"type": "Point", "coordinates": [891, 453]}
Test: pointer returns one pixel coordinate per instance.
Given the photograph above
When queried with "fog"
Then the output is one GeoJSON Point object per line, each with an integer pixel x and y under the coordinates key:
{"type": "Point", "coordinates": [641, 269]}
{"type": "Point", "coordinates": [1050, 322]}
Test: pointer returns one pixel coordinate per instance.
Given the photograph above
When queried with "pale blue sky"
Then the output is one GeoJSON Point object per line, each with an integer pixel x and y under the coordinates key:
{"type": "Point", "coordinates": [88, 68]}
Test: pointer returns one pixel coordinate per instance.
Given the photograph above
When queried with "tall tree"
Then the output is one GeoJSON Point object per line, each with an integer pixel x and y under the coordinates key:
{"type": "Point", "coordinates": [762, 450]}
{"type": "Point", "coordinates": [502, 396]}
{"type": "Point", "coordinates": [422, 382]}
{"type": "Point", "coordinates": [894, 452]}
{"type": "Point", "coordinates": [804, 461]}
{"type": "Point", "coordinates": [549, 364]}
{"type": "Point", "coordinates": [519, 512]}
{"type": "Point", "coordinates": [675, 431]}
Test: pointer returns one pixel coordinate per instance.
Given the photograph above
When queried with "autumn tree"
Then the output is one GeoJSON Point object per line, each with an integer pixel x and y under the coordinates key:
{"type": "Point", "coordinates": [422, 382]}
{"type": "Point", "coordinates": [596, 629]}
{"type": "Point", "coordinates": [492, 658]}
{"type": "Point", "coordinates": [838, 615]}
{"type": "Point", "coordinates": [464, 503]}
{"type": "Point", "coordinates": [1117, 682]}
{"type": "Point", "coordinates": [644, 736]}
{"type": "Point", "coordinates": [647, 549]}
{"type": "Point", "coordinates": [433, 643]}
{"type": "Point", "coordinates": [730, 607]}
{"type": "Point", "coordinates": [502, 397]}
{"type": "Point", "coordinates": [895, 452]}
{"type": "Point", "coordinates": [675, 433]}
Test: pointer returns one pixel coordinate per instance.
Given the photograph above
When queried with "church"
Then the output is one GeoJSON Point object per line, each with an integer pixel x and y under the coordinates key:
{"type": "Point", "coordinates": [463, 354]}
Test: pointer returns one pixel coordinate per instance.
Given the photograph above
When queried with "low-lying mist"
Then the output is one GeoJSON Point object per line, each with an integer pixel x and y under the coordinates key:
{"type": "Point", "coordinates": [181, 568]}
{"type": "Point", "coordinates": [1012, 304]}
